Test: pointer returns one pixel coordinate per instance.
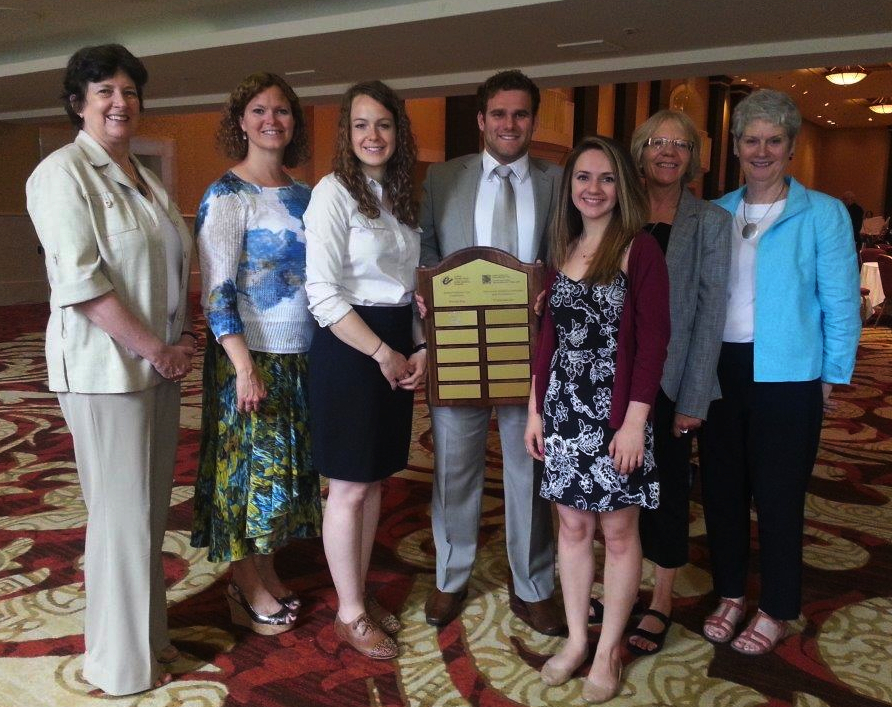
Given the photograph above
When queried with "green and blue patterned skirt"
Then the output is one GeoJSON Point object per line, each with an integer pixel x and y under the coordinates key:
{"type": "Point", "coordinates": [256, 488]}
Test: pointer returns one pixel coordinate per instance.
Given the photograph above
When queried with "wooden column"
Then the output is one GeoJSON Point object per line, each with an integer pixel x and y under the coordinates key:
{"type": "Point", "coordinates": [585, 112]}
{"type": "Point", "coordinates": [659, 95]}
{"type": "Point", "coordinates": [732, 171]}
{"type": "Point", "coordinates": [717, 113]}
{"type": "Point", "coordinates": [462, 133]}
{"type": "Point", "coordinates": [624, 109]}
{"type": "Point", "coordinates": [887, 208]}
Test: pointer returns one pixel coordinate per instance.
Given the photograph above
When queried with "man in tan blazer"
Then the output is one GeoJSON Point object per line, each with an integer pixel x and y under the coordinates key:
{"type": "Point", "coordinates": [457, 212]}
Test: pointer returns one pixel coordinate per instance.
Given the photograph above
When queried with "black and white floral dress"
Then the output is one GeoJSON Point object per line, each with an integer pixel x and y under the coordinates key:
{"type": "Point", "coordinates": [576, 411]}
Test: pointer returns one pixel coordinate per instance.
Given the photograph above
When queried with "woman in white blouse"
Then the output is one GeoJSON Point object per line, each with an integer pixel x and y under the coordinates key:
{"type": "Point", "coordinates": [362, 250]}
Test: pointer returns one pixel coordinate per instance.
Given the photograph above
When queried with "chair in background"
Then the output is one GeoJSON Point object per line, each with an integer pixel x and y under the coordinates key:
{"type": "Point", "coordinates": [884, 262]}
{"type": "Point", "coordinates": [865, 304]}
{"type": "Point", "coordinates": [874, 229]}
{"type": "Point", "coordinates": [870, 255]}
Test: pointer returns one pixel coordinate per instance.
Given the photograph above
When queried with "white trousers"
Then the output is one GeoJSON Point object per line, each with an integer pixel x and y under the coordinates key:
{"type": "Point", "coordinates": [125, 450]}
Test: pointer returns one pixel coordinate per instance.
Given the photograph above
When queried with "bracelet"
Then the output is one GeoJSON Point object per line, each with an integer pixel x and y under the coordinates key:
{"type": "Point", "coordinates": [189, 333]}
{"type": "Point", "coordinates": [377, 348]}
{"type": "Point", "coordinates": [420, 347]}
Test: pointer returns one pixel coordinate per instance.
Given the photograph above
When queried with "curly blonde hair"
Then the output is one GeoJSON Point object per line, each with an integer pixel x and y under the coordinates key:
{"type": "Point", "coordinates": [397, 182]}
{"type": "Point", "coordinates": [230, 137]}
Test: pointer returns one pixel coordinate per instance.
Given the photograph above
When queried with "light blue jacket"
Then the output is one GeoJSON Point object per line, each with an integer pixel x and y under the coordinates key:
{"type": "Point", "coordinates": [807, 322]}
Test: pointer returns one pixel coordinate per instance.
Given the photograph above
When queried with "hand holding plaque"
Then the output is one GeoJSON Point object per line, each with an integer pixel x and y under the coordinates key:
{"type": "Point", "coordinates": [480, 327]}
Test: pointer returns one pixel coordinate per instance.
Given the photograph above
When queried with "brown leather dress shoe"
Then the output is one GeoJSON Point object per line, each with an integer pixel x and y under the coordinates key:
{"type": "Point", "coordinates": [367, 637]}
{"type": "Point", "coordinates": [542, 616]}
{"type": "Point", "coordinates": [442, 607]}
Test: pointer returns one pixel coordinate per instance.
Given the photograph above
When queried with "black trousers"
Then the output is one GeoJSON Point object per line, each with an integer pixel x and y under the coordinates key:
{"type": "Point", "coordinates": [664, 530]}
{"type": "Point", "coordinates": [759, 444]}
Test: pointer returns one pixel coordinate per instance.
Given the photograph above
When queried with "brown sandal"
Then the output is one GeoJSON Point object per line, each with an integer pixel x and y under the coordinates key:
{"type": "Point", "coordinates": [170, 654]}
{"type": "Point", "coordinates": [367, 637]}
{"type": "Point", "coordinates": [759, 642]}
{"type": "Point", "coordinates": [717, 627]}
{"type": "Point", "coordinates": [381, 616]}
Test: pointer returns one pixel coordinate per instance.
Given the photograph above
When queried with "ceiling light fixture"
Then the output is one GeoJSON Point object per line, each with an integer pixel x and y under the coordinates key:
{"type": "Point", "coordinates": [846, 75]}
{"type": "Point", "coordinates": [300, 72]}
{"type": "Point", "coordinates": [883, 106]}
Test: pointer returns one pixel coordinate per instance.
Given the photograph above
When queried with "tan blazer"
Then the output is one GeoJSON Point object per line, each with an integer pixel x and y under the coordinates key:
{"type": "Point", "coordinates": [100, 235]}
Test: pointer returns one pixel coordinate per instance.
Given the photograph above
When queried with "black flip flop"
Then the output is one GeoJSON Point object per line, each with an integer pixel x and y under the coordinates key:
{"type": "Point", "coordinates": [657, 638]}
{"type": "Point", "coordinates": [596, 615]}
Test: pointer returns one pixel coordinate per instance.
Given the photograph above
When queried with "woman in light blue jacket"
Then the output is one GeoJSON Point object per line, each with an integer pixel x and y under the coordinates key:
{"type": "Point", "coordinates": [791, 332]}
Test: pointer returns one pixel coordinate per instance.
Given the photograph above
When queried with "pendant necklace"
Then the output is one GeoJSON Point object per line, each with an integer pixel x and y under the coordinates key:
{"type": "Point", "coordinates": [751, 230]}
{"type": "Point", "coordinates": [135, 177]}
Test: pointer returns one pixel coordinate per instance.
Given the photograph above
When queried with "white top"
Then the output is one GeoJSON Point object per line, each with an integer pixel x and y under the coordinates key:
{"type": "Point", "coordinates": [742, 276]}
{"type": "Point", "coordinates": [355, 260]}
{"type": "Point", "coordinates": [524, 203]}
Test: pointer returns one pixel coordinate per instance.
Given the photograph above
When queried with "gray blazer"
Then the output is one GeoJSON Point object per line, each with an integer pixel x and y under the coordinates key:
{"type": "Point", "coordinates": [450, 194]}
{"type": "Point", "coordinates": [698, 259]}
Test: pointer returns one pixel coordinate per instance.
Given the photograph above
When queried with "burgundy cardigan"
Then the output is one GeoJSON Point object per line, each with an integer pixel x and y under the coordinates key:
{"type": "Point", "coordinates": [643, 332]}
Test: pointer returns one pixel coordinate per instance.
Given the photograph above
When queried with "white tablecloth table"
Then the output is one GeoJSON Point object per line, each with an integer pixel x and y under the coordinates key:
{"type": "Point", "coordinates": [870, 278]}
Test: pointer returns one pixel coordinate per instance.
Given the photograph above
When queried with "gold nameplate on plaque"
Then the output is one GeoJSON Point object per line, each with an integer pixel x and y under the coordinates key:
{"type": "Point", "coordinates": [480, 327]}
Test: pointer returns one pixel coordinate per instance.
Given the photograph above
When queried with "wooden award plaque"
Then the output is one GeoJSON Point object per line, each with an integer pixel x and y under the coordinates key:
{"type": "Point", "coordinates": [480, 326]}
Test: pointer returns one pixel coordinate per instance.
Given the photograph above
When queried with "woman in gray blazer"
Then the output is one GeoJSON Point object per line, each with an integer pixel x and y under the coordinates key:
{"type": "Point", "coordinates": [695, 237]}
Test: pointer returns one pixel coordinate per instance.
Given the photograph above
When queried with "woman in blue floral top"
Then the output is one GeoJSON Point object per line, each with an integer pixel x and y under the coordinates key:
{"type": "Point", "coordinates": [256, 488]}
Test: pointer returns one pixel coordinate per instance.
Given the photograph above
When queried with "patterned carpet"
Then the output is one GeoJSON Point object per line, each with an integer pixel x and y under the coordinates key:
{"type": "Point", "coordinates": [840, 656]}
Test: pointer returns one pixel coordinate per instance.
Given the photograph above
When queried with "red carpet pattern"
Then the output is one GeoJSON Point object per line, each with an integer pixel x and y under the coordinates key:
{"type": "Point", "coordinates": [840, 655]}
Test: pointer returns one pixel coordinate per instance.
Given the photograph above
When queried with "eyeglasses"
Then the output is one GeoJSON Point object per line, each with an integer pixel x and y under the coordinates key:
{"type": "Point", "coordinates": [661, 142]}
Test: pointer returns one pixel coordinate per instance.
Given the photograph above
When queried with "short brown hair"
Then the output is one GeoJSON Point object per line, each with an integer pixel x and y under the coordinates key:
{"type": "Point", "coordinates": [230, 137]}
{"type": "Point", "coordinates": [94, 64]}
{"type": "Point", "coordinates": [511, 80]}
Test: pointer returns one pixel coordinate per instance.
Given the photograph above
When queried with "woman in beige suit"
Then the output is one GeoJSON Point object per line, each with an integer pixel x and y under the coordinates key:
{"type": "Point", "coordinates": [119, 340]}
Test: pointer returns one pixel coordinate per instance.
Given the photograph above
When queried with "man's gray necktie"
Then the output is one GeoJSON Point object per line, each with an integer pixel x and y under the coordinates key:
{"type": "Point", "coordinates": [504, 213]}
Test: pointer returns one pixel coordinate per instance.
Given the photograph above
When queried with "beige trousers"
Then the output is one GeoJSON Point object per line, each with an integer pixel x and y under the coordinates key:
{"type": "Point", "coordinates": [125, 449]}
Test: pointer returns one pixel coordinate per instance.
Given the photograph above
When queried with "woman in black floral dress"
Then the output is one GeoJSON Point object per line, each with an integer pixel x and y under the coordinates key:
{"type": "Point", "coordinates": [598, 365]}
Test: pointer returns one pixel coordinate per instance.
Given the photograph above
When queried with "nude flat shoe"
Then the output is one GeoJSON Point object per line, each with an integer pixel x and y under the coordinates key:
{"type": "Point", "coordinates": [554, 675]}
{"type": "Point", "coordinates": [599, 694]}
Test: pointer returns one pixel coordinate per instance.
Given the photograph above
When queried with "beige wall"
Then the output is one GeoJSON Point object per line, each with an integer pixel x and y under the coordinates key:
{"type": "Point", "coordinates": [804, 166]}
{"type": "Point", "coordinates": [856, 160]}
{"type": "Point", "coordinates": [837, 160]}
{"type": "Point", "coordinates": [198, 161]}
{"type": "Point", "coordinates": [832, 161]}
{"type": "Point", "coordinates": [19, 153]}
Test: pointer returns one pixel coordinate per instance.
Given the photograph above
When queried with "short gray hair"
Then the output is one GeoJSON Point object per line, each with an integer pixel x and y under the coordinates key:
{"type": "Point", "coordinates": [771, 106]}
{"type": "Point", "coordinates": [648, 129]}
